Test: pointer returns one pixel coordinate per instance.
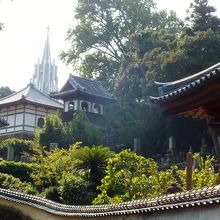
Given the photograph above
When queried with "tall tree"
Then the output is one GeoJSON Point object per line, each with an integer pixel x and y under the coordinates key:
{"type": "Point", "coordinates": [103, 30]}
{"type": "Point", "coordinates": [5, 91]}
{"type": "Point", "coordinates": [201, 16]}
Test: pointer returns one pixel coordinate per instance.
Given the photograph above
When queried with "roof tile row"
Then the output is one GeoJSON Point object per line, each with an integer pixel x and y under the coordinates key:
{"type": "Point", "coordinates": [187, 199]}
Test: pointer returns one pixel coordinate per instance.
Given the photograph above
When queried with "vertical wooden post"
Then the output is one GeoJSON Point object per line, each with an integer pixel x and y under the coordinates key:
{"type": "Point", "coordinates": [189, 163]}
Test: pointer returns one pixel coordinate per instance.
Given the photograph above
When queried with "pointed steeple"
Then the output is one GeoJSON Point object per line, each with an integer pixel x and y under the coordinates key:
{"type": "Point", "coordinates": [46, 58]}
{"type": "Point", "coordinates": [45, 76]}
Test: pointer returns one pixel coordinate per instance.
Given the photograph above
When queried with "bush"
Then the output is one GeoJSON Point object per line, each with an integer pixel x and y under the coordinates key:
{"type": "Point", "coordinates": [12, 183]}
{"type": "Point", "coordinates": [75, 190]}
{"type": "Point", "coordinates": [18, 169]}
{"type": "Point", "coordinates": [21, 146]}
{"type": "Point", "coordinates": [52, 193]}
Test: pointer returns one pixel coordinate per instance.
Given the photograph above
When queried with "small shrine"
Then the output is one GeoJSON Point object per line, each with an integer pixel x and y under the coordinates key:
{"type": "Point", "coordinates": [23, 111]}
{"type": "Point", "coordinates": [84, 94]}
{"type": "Point", "coordinates": [196, 96]}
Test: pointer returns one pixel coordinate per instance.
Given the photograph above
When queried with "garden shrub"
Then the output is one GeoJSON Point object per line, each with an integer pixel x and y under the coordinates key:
{"type": "Point", "coordinates": [18, 169]}
{"type": "Point", "coordinates": [12, 183]}
{"type": "Point", "coordinates": [75, 190]}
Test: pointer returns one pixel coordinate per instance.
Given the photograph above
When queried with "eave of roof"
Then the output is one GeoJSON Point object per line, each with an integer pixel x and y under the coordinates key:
{"type": "Point", "coordinates": [205, 196]}
{"type": "Point", "coordinates": [77, 87]}
{"type": "Point", "coordinates": [73, 91]}
{"type": "Point", "coordinates": [25, 96]}
{"type": "Point", "coordinates": [181, 87]}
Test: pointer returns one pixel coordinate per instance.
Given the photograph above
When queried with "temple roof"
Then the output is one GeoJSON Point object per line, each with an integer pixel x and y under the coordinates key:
{"type": "Point", "coordinates": [87, 86]}
{"type": "Point", "coordinates": [171, 90]}
{"type": "Point", "coordinates": [30, 95]}
{"type": "Point", "coordinates": [201, 197]}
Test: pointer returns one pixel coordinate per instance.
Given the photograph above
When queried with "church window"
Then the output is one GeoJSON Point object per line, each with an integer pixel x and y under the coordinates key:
{"type": "Point", "coordinates": [85, 106]}
{"type": "Point", "coordinates": [97, 109]}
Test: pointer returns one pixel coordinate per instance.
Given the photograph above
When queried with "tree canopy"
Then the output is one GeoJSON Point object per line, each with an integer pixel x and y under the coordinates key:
{"type": "Point", "coordinates": [100, 38]}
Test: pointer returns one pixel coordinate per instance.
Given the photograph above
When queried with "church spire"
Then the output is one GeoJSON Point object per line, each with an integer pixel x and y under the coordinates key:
{"type": "Point", "coordinates": [46, 54]}
{"type": "Point", "coordinates": [45, 76]}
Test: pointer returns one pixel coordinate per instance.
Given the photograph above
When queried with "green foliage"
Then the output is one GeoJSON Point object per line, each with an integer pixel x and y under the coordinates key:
{"type": "Point", "coordinates": [10, 182]}
{"type": "Point", "coordinates": [204, 175]}
{"type": "Point", "coordinates": [81, 130]}
{"type": "Point", "coordinates": [53, 131]}
{"type": "Point", "coordinates": [92, 161]}
{"type": "Point", "coordinates": [75, 190]}
{"type": "Point", "coordinates": [52, 193]}
{"type": "Point", "coordinates": [18, 169]}
{"type": "Point", "coordinates": [51, 165]}
{"type": "Point", "coordinates": [130, 176]}
{"type": "Point", "coordinates": [145, 121]}
{"type": "Point", "coordinates": [201, 16]}
{"type": "Point", "coordinates": [21, 146]}
{"type": "Point", "coordinates": [103, 30]}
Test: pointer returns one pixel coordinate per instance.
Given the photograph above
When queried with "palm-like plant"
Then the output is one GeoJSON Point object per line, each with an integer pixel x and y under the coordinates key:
{"type": "Point", "coordinates": [92, 161]}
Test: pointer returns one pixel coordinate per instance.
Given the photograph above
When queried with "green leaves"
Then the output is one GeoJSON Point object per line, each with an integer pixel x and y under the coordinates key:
{"type": "Point", "coordinates": [53, 132]}
{"type": "Point", "coordinates": [130, 176]}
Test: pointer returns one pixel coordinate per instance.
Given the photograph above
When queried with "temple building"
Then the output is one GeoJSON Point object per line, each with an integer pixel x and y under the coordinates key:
{"type": "Point", "coordinates": [24, 111]}
{"type": "Point", "coordinates": [196, 96]}
{"type": "Point", "coordinates": [45, 73]}
{"type": "Point", "coordinates": [85, 94]}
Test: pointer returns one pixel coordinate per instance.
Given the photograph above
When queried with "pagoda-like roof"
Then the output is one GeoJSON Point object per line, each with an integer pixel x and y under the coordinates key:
{"type": "Point", "coordinates": [31, 95]}
{"type": "Point", "coordinates": [169, 91]}
{"type": "Point", "coordinates": [86, 86]}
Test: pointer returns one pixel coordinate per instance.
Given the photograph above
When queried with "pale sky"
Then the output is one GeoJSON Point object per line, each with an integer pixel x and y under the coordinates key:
{"type": "Point", "coordinates": [22, 40]}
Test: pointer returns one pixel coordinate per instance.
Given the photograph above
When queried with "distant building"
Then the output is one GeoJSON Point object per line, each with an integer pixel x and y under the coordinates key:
{"type": "Point", "coordinates": [45, 73]}
{"type": "Point", "coordinates": [24, 111]}
{"type": "Point", "coordinates": [85, 94]}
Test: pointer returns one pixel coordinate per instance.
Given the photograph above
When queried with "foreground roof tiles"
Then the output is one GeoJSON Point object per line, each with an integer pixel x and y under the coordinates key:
{"type": "Point", "coordinates": [201, 197]}
{"type": "Point", "coordinates": [171, 90]}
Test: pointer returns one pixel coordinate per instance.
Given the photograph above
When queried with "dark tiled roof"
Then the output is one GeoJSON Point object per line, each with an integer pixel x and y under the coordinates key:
{"type": "Point", "coordinates": [201, 197]}
{"type": "Point", "coordinates": [171, 90]}
{"type": "Point", "coordinates": [88, 86]}
{"type": "Point", "coordinates": [32, 95]}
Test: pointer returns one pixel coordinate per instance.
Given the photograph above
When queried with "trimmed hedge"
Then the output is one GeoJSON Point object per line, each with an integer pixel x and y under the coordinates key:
{"type": "Point", "coordinates": [18, 169]}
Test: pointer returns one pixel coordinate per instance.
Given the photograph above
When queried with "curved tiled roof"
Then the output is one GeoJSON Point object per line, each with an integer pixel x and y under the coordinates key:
{"type": "Point", "coordinates": [205, 196]}
{"type": "Point", "coordinates": [87, 86]}
{"type": "Point", "coordinates": [32, 95]}
{"type": "Point", "coordinates": [171, 90]}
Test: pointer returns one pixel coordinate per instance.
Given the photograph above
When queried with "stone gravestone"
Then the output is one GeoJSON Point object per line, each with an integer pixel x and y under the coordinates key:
{"type": "Point", "coordinates": [172, 143]}
{"type": "Point", "coordinates": [10, 153]}
{"type": "Point", "coordinates": [137, 145]}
